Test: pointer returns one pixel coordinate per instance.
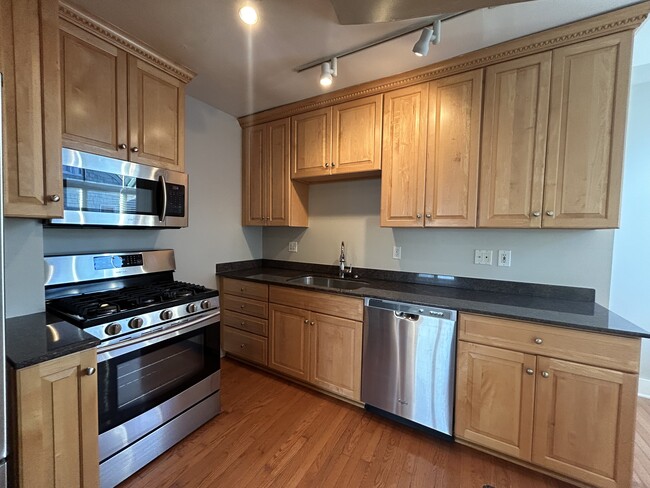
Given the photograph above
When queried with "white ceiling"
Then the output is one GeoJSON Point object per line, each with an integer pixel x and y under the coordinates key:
{"type": "Point", "coordinates": [242, 70]}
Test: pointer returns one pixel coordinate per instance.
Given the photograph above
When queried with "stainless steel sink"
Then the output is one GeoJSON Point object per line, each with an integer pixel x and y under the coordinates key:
{"type": "Point", "coordinates": [324, 281]}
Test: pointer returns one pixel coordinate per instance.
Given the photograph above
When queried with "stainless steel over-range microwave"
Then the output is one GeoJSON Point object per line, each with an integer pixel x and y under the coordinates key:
{"type": "Point", "coordinates": [102, 191]}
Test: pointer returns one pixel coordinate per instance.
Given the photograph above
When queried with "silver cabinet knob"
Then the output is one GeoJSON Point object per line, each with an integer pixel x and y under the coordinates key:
{"type": "Point", "coordinates": [418, 216]}
{"type": "Point", "coordinates": [242, 289]}
{"type": "Point", "coordinates": [122, 146]}
{"type": "Point", "coordinates": [545, 374]}
{"type": "Point", "coordinates": [536, 214]}
{"type": "Point", "coordinates": [428, 216]}
{"type": "Point", "coordinates": [333, 164]}
{"type": "Point", "coordinates": [529, 371]}
{"type": "Point", "coordinates": [90, 371]}
{"type": "Point", "coordinates": [312, 322]}
{"type": "Point", "coordinates": [539, 340]}
{"type": "Point", "coordinates": [135, 149]}
{"type": "Point", "coordinates": [550, 213]}
{"type": "Point", "coordinates": [55, 198]}
{"type": "Point", "coordinates": [243, 324]}
{"type": "Point", "coordinates": [327, 165]}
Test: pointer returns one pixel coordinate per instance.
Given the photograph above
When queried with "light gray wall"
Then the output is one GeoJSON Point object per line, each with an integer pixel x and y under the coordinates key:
{"type": "Point", "coordinates": [349, 211]}
{"type": "Point", "coordinates": [213, 161]}
{"type": "Point", "coordinates": [630, 265]}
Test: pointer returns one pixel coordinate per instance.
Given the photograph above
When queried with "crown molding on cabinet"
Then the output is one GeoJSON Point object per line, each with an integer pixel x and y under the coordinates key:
{"type": "Point", "coordinates": [627, 18]}
{"type": "Point", "coordinates": [114, 35]}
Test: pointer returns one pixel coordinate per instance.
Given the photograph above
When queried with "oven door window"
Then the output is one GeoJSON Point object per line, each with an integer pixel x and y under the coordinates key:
{"type": "Point", "coordinates": [135, 382]}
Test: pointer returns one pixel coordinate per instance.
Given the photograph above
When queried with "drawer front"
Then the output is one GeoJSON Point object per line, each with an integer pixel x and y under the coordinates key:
{"type": "Point", "coordinates": [245, 306]}
{"type": "Point", "coordinates": [243, 345]}
{"type": "Point", "coordinates": [246, 289]}
{"type": "Point", "coordinates": [619, 353]}
{"type": "Point", "coordinates": [336, 305]}
{"type": "Point", "coordinates": [247, 323]}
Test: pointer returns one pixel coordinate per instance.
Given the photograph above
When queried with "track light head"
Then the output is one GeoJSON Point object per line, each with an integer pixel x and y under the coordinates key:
{"type": "Point", "coordinates": [430, 35]}
{"type": "Point", "coordinates": [327, 71]}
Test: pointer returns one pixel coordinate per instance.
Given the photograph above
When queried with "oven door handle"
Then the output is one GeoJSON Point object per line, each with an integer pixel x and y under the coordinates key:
{"type": "Point", "coordinates": [120, 348]}
{"type": "Point", "coordinates": [163, 186]}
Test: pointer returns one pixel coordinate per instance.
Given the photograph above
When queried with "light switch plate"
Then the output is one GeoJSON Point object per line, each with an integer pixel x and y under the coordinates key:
{"type": "Point", "coordinates": [293, 246]}
{"type": "Point", "coordinates": [505, 258]}
{"type": "Point", "coordinates": [397, 252]}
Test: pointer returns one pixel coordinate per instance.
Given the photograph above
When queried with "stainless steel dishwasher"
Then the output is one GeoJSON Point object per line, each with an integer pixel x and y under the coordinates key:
{"type": "Point", "coordinates": [408, 368]}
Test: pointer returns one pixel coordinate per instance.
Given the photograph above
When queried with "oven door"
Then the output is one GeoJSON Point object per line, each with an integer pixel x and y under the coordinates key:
{"type": "Point", "coordinates": [103, 191]}
{"type": "Point", "coordinates": [145, 382]}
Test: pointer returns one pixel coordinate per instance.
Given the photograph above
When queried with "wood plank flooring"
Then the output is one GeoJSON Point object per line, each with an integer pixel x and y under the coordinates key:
{"type": "Point", "coordinates": [273, 433]}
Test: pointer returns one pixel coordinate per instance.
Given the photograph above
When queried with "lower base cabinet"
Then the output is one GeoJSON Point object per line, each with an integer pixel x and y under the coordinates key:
{"type": "Point", "coordinates": [568, 417]}
{"type": "Point", "coordinates": [56, 423]}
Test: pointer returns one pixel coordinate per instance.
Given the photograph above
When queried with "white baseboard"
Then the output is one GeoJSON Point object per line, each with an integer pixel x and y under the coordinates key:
{"type": "Point", "coordinates": [644, 387]}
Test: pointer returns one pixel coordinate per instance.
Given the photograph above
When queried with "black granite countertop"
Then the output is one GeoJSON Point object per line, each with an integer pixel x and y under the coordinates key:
{"type": "Point", "coordinates": [36, 338]}
{"type": "Point", "coordinates": [545, 304]}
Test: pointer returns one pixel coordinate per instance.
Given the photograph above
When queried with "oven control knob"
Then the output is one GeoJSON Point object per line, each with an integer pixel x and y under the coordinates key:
{"type": "Point", "coordinates": [191, 308]}
{"type": "Point", "coordinates": [166, 314]}
{"type": "Point", "coordinates": [113, 329]}
{"type": "Point", "coordinates": [205, 304]}
{"type": "Point", "coordinates": [136, 323]}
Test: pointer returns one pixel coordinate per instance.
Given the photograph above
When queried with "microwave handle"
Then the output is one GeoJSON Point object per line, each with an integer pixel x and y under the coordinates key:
{"type": "Point", "coordinates": [163, 210]}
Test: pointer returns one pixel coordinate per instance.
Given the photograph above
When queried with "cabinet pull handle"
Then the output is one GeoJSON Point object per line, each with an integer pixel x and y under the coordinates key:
{"type": "Point", "coordinates": [536, 214]}
{"type": "Point", "coordinates": [242, 288]}
{"type": "Point", "coordinates": [327, 165]}
{"type": "Point", "coordinates": [419, 216]}
{"type": "Point", "coordinates": [243, 324]}
{"type": "Point", "coordinates": [55, 198]}
{"type": "Point", "coordinates": [242, 306]}
{"type": "Point", "coordinates": [135, 149]}
{"type": "Point", "coordinates": [539, 340]}
{"type": "Point", "coordinates": [333, 164]}
{"type": "Point", "coordinates": [242, 346]}
{"type": "Point", "coordinates": [306, 321]}
{"type": "Point", "coordinates": [90, 371]}
{"type": "Point", "coordinates": [122, 146]}
{"type": "Point", "coordinates": [311, 323]}
{"type": "Point", "coordinates": [529, 371]}
{"type": "Point", "coordinates": [550, 213]}
{"type": "Point", "coordinates": [545, 374]}
{"type": "Point", "coordinates": [428, 216]}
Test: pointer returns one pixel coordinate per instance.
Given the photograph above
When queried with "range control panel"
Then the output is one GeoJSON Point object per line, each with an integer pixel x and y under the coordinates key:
{"type": "Point", "coordinates": [117, 261]}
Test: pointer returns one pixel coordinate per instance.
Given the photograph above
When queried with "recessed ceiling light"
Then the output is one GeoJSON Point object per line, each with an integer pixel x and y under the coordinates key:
{"type": "Point", "coordinates": [248, 15]}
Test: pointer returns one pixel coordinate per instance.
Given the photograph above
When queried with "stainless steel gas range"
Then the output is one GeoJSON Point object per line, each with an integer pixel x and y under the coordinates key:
{"type": "Point", "coordinates": [158, 366]}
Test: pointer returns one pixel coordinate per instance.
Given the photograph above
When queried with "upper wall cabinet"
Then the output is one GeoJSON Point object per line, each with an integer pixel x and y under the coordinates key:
{"type": "Point", "coordinates": [31, 108]}
{"type": "Point", "coordinates": [431, 153]}
{"type": "Point", "coordinates": [270, 197]}
{"type": "Point", "coordinates": [337, 141]}
{"type": "Point", "coordinates": [554, 127]}
{"type": "Point", "coordinates": [115, 102]}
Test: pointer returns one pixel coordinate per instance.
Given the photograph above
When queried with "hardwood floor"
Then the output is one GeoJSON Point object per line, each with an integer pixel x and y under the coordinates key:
{"type": "Point", "coordinates": [273, 433]}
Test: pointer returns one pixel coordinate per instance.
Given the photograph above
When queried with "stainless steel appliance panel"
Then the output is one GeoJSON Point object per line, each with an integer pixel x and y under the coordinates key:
{"type": "Point", "coordinates": [409, 355]}
{"type": "Point", "coordinates": [3, 371]}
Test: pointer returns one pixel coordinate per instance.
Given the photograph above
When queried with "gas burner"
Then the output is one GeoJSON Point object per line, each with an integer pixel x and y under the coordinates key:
{"type": "Point", "coordinates": [105, 309]}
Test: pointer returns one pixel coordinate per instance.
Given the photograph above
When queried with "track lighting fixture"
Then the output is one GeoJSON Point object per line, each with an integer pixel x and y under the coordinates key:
{"type": "Point", "coordinates": [327, 72]}
{"type": "Point", "coordinates": [430, 35]}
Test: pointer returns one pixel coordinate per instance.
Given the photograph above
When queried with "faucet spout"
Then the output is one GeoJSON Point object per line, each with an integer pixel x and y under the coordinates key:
{"type": "Point", "coordinates": [342, 261]}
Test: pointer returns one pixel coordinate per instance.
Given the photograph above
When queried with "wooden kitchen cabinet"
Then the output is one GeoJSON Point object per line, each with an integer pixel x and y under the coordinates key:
{"type": "Point", "coordinates": [31, 117]}
{"type": "Point", "coordinates": [540, 394]}
{"type": "Point", "coordinates": [317, 338]}
{"type": "Point", "coordinates": [554, 129]}
{"type": "Point", "coordinates": [333, 142]}
{"type": "Point", "coordinates": [431, 153]}
{"type": "Point", "coordinates": [119, 98]}
{"type": "Point", "coordinates": [270, 197]}
{"type": "Point", "coordinates": [56, 422]}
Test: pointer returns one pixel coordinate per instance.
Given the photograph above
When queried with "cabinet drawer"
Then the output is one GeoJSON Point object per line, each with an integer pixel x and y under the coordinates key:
{"type": "Point", "coordinates": [245, 306]}
{"type": "Point", "coordinates": [247, 346]}
{"type": "Point", "coordinates": [336, 305]}
{"type": "Point", "coordinates": [247, 289]}
{"type": "Point", "coordinates": [620, 353]}
{"type": "Point", "coordinates": [245, 322]}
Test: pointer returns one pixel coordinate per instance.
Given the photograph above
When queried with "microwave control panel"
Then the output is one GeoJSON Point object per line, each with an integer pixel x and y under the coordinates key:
{"type": "Point", "coordinates": [175, 200]}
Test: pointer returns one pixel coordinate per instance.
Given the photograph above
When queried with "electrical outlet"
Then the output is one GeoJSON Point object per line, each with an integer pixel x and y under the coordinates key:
{"type": "Point", "coordinates": [483, 256]}
{"type": "Point", "coordinates": [504, 258]}
{"type": "Point", "coordinates": [397, 252]}
{"type": "Point", "coordinates": [293, 246]}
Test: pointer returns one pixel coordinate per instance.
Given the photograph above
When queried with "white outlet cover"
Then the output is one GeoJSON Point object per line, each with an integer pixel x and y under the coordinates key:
{"type": "Point", "coordinates": [397, 252]}
{"type": "Point", "coordinates": [293, 246]}
{"type": "Point", "coordinates": [505, 258]}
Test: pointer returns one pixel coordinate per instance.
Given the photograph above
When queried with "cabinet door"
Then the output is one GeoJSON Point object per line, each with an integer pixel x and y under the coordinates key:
{"type": "Point", "coordinates": [495, 391]}
{"type": "Point", "coordinates": [513, 153]}
{"type": "Point", "coordinates": [336, 355]}
{"type": "Point", "coordinates": [94, 84]}
{"type": "Point", "coordinates": [404, 157]}
{"type": "Point", "coordinates": [289, 341]}
{"type": "Point", "coordinates": [31, 118]}
{"type": "Point", "coordinates": [584, 422]}
{"type": "Point", "coordinates": [57, 423]}
{"type": "Point", "coordinates": [453, 150]}
{"type": "Point", "coordinates": [586, 136]}
{"type": "Point", "coordinates": [356, 136]}
{"type": "Point", "coordinates": [311, 144]}
{"type": "Point", "coordinates": [156, 116]}
{"type": "Point", "coordinates": [279, 179]}
{"type": "Point", "coordinates": [254, 177]}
